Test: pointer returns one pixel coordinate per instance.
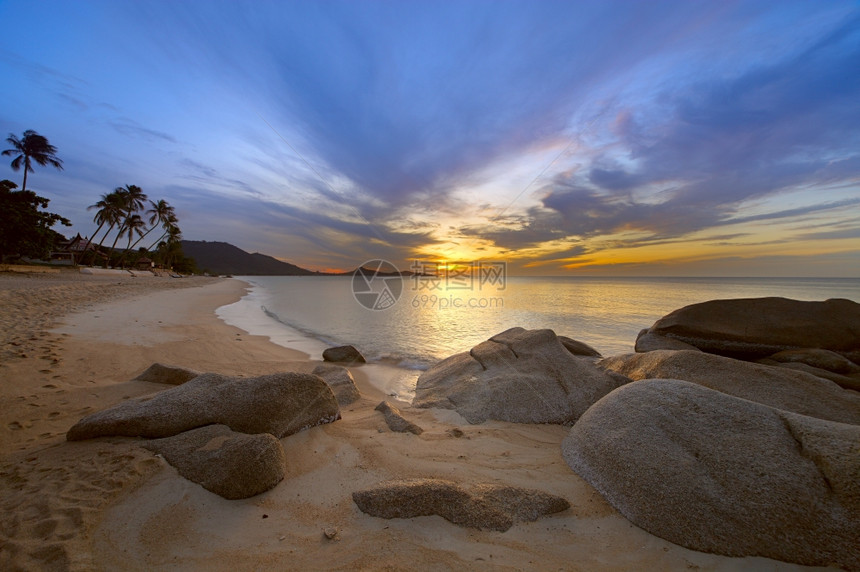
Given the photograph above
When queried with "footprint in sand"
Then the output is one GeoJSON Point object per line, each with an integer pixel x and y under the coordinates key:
{"type": "Point", "coordinates": [49, 386]}
{"type": "Point", "coordinates": [15, 425]}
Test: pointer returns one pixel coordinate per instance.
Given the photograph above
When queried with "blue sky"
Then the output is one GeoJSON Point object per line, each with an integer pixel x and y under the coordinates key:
{"type": "Point", "coordinates": [641, 138]}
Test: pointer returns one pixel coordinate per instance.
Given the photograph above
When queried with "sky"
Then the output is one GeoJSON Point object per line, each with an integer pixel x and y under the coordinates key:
{"type": "Point", "coordinates": [689, 138]}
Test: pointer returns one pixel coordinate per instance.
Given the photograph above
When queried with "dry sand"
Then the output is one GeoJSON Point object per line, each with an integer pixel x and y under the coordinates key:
{"type": "Point", "coordinates": [108, 504]}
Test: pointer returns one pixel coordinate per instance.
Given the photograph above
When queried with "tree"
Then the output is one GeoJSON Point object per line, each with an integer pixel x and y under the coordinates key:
{"type": "Point", "coordinates": [31, 147]}
{"type": "Point", "coordinates": [171, 248]}
{"type": "Point", "coordinates": [133, 224]}
{"type": "Point", "coordinates": [108, 207]}
{"type": "Point", "coordinates": [132, 201]}
{"type": "Point", "coordinates": [24, 229]}
{"type": "Point", "coordinates": [111, 211]}
{"type": "Point", "coordinates": [159, 213]}
{"type": "Point", "coordinates": [170, 226]}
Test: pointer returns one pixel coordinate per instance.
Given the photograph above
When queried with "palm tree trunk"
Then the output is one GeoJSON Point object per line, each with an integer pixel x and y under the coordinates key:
{"type": "Point", "coordinates": [122, 258]}
{"type": "Point", "coordinates": [115, 240]}
{"type": "Point", "coordinates": [26, 168]}
{"type": "Point", "coordinates": [160, 238]}
{"type": "Point", "coordinates": [84, 255]}
{"type": "Point", "coordinates": [110, 228]}
{"type": "Point", "coordinates": [142, 237]}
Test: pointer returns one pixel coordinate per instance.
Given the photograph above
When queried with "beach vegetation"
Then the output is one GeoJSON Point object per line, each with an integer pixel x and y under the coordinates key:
{"type": "Point", "coordinates": [31, 148]}
{"type": "Point", "coordinates": [25, 229]}
{"type": "Point", "coordinates": [110, 212]}
{"type": "Point", "coordinates": [120, 212]}
{"type": "Point", "coordinates": [132, 198]}
{"type": "Point", "coordinates": [160, 213]}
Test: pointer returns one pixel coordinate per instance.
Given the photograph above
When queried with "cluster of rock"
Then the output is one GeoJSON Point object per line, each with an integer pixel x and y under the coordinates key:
{"type": "Point", "coordinates": [734, 430]}
{"type": "Point", "coordinates": [219, 431]}
{"type": "Point", "coordinates": [484, 506]}
{"type": "Point", "coordinates": [822, 338]}
{"type": "Point", "coordinates": [522, 376]}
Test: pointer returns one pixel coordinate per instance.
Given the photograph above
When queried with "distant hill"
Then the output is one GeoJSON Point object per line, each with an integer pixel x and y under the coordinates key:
{"type": "Point", "coordinates": [224, 258]}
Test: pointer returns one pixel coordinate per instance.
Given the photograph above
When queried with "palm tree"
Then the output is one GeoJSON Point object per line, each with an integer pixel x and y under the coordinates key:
{"type": "Point", "coordinates": [170, 226]}
{"type": "Point", "coordinates": [159, 213]}
{"type": "Point", "coordinates": [102, 216]}
{"type": "Point", "coordinates": [111, 208]}
{"type": "Point", "coordinates": [133, 224]}
{"type": "Point", "coordinates": [31, 147]}
{"type": "Point", "coordinates": [132, 199]}
{"type": "Point", "coordinates": [135, 197]}
{"type": "Point", "coordinates": [172, 246]}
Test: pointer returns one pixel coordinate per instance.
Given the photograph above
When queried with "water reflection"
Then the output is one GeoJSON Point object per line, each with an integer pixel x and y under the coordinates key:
{"type": "Point", "coordinates": [425, 326]}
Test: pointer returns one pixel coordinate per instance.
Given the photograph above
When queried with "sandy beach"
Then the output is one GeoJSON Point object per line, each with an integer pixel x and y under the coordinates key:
{"type": "Point", "coordinates": [71, 343]}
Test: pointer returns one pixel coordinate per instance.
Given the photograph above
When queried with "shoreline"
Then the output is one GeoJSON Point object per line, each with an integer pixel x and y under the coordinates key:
{"type": "Point", "coordinates": [248, 315]}
{"type": "Point", "coordinates": [109, 504]}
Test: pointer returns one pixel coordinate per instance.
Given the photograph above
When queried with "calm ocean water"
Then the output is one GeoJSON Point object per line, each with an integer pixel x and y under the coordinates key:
{"type": "Point", "coordinates": [428, 323]}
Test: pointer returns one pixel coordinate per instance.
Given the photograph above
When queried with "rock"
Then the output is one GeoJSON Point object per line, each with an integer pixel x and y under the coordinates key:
{"type": "Point", "coordinates": [343, 353]}
{"type": "Point", "coordinates": [280, 404]}
{"type": "Point", "coordinates": [648, 341]}
{"type": "Point", "coordinates": [753, 328]}
{"type": "Point", "coordinates": [229, 464]}
{"type": "Point", "coordinates": [522, 376]}
{"type": "Point", "coordinates": [776, 387]}
{"type": "Point", "coordinates": [168, 374]}
{"type": "Point", "coordinates": [719, 474]}
{"type": "Point", "coordinates": [493, 507]}
{"type": "Point", "coordinates": [578, 348]}
{"type": "Point", "coordinates": [818, 358]}
{"type": "Point", "coordinates": [395, 420]}
{"type": "Point", "coordinates": [330, 533]}
{"type": "Point", "coordinates": [843, 381]}
{"type": "Point", "coordinates": [341, 382]}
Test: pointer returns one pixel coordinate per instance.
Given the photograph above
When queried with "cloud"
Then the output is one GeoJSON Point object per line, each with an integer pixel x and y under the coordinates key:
{"type": "Point", "coordinates": [796, 212]}
{"type": "Point", "coordinates": [690, 159]}
{"type": "Point", "coordinates": [383, 101]}
{"type": "Point", "coordinates": [831, 235]}
{"type": "Point", "coordinates": [132, 128]}
{"type": "Point", "coordinates": [312, 236]}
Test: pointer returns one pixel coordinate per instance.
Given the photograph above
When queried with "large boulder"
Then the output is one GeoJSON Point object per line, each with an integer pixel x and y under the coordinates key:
{"type": "Point", "coordinates": [522, 376]}
{"type": "Point", "coordinates": [796, 391]}
{"type": "Point", "coordinates": [280, 404]}
{"type": "Point", "coordinates": [753, 328]}
{"type": "Point", "coordinates": [168, 374]}
{"type": "Point", "coordinates": [343, 354]}
{"type": "Point", "coordinates": [720, 474]}
{"type": "Point", "coordinates": [229, 464]}
{"type": "Point", "coordinates": [493, 507]}
{"type": "Point", "coordinates": [341, 382]}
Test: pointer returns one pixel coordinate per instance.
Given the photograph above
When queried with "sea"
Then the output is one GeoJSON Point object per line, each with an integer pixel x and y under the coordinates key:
{"type": "Point", "coordinates": [414, 322]}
